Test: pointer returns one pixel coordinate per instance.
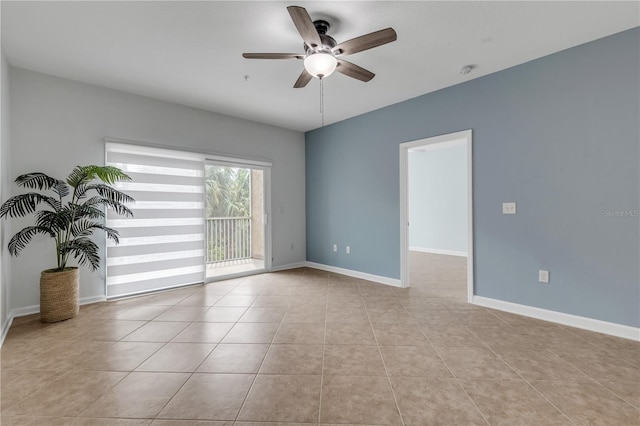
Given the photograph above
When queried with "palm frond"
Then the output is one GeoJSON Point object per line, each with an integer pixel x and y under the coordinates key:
{"type": "Point", "coordinates": [79, 175]}
{"type": "Point", "coordinates": [88, 212]}
{"type": "Point", "coordinates": [84, 228]}
{"type": "Point", "coordinates": [83, 250]}
{"type": "Point", "coordinates": [61, 188]}
{"type": "Point", "coordinates": [107, 174]}
{"type": "Point", "coordinates": [53, 221]}
{"type": "Point", "coordinates": [118, 207]}
{"type": "Point", "coordinates": [36, 180]}
{"type": "Point", "coordinates": [110, 174]}
{"type": "Point", "coordinates": [24, 204]}
{"type": "Point", "coordinates": [19, 241]}
{"type": "Point", "coordinates": [111, 193]}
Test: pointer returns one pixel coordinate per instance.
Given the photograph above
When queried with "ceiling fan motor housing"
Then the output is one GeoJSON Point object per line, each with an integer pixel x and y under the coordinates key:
{"type": "Point", "coordinates": [328, 42]}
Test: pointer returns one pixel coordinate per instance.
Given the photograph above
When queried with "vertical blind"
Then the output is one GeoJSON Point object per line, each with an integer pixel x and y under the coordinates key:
{"type": "Point", "coordinates": [162, 245]}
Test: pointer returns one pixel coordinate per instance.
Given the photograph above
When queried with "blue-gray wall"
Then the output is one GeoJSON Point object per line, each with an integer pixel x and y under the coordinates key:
{"type": "Point", "coordinates": [438, 199]}
{"type": "Point", "coordinates": [558, 135]}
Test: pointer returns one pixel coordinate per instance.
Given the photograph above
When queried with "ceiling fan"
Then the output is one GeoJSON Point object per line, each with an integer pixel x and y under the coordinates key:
{"type": "Point", "coordinates": [322, 53]}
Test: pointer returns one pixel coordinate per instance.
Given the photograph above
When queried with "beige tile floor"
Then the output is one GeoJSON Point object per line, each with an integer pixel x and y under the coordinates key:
{"type": "Point", "coordinates": [306, 347]}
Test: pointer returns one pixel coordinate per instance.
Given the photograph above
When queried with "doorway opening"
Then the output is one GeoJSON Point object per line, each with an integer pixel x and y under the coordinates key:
{"type": "Point", "coordinates": [436, 234]}
{"type": "Point", "coordinates": [235, 220]}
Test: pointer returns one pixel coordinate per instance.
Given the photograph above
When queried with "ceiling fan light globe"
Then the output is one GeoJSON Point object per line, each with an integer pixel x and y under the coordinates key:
{"type": "Point", "coordinates": [320, 64]}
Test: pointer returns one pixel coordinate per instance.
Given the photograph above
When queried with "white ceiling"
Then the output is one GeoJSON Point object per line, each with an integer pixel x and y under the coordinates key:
{"type": "Point", "coordinates": [190, 52]}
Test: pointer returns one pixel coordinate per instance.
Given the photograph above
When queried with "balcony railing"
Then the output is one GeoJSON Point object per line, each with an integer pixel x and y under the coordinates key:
{"type": "Point", "coordinates": [228, 239]}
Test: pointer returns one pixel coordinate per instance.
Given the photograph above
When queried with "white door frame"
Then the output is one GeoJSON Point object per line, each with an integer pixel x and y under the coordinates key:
{"type": "Point", "coordinates": [404, 203]}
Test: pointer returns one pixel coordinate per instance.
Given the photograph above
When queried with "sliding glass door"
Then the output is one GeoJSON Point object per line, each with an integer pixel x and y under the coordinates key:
{"type": "Point", "coordinates": [235, 219]}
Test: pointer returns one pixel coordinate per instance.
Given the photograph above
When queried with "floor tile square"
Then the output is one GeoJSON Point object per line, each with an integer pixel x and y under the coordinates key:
{"type": "Point", "coordinates": [266, 314]}
{"type": "Point", "coordinates": [234, 358]}
{"type": "Point", "coordinates": [475, 362]}
{"type": "Point", "coordinates": [447, 335]}
{"type": "Point", "coordinates": [156, 331]}
{"type": "Point", "coordinates": [139, 395]}
{"type": "Point", "coordinates": [262, 332]}
{"type": "Point", "coordinates": [141, 313]}
{"type": "Point", "coordinates": [432, 401]}
{"type": "Point", "coordinates": [300, 333]}
{"type": "Point", "coordinates": [283, 399]}
{"type": "Point", "coordinates": [201, 298]}
{"type": "Point", "coordinates": [358, 400]}
{"type": "Point", "coordinates": [293, 359]}
{"type": "Point", "coordinates": [399, 334]}
{"type": "Point", "coordinates": [413, 361]}
{"type": "Point", "coordinates": [223, 314]}
{"type": "Point", "coordinates": [588, 403]}
{"type": "Point", "coordinates": [540, 365]}
{"type": "Point", "coordinates": [512, 402]}
{"type": "Point", "coordinates": [350, 334]}
{"type": "Point", "coordinates": [209, 397]}
{"type": "Point", "coordinates": [177, 357]}
{"type": "Point", "coordinates": [182, 313]}
{"type": "Point", "coordinates": [235, 300]}
{"type": "Point", "coordinates": [67, 395]}
{"type": "Point", "coordinates": [121, 356]}
{"type": "Point", "coordinates": [203, 332]}
{"type": "Point", "coordinates": [354, 360]}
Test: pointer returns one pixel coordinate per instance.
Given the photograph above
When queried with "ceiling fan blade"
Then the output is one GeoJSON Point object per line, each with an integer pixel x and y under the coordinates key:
{"type": "Point", "coordinates": [303, 80]}
{"type": "Point", "coordinates": [354, 71]}
{"type": "Point", "coordinates": [272, 56]}
{"type": "Point", "coordinates": [304, 24]}
{"type": "Point", "coordinates": [367, 41]}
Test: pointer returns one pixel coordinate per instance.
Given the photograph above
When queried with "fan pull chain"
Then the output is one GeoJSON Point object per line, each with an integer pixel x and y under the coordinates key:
{"type": "Point", "coordinates": [322, 100]}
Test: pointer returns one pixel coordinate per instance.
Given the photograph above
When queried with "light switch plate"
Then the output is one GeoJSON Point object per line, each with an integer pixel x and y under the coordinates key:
{"type": "Point", "coordinates": [509, 208]}
{"type": "Point", "coordinates": [543, 276]}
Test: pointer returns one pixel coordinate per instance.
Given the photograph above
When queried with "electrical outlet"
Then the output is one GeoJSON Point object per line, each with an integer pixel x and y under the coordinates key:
{"type": "Point", "coordinates": [348, 250]}
{"type": "Point", "coordinates": [335, 248]}
{"type": "Point", "coordinates": [543, 276]}
{"type": "Point", "coordinates": [509, 208]}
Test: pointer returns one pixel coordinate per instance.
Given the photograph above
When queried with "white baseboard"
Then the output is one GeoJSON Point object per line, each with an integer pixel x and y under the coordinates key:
{"type": "Point", "coordinates": [356, 274]}
{"type": "Point", "coordinates": [288, 266]}
{"type": "Point", "coordinates": [34, 309]}
{"type": "Point", "coordinates": [439, 251]}
{"type": "Point", "coordinates": [6, 327]}
{"type": "Point", "coordinates": [619, 330]}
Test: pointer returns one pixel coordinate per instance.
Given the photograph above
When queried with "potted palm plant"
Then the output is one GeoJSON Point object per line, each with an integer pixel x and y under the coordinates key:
{"type": "Point", "coordinates": [69, 216]}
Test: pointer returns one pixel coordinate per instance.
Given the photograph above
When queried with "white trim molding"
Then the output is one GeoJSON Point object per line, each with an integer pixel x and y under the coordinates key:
{"type": "Point", "coordinates": [618, 330]}
{"type": "Point", "coordinates": [34, 309]}
{"type": "Point", "coordinates": [6, 327]}
{"type": "Point", "coordinates": [355, 274]}
{"type": "Point", "coordinates": [289, 266]}
{"type": "Point", "coordinates": [439, 251]}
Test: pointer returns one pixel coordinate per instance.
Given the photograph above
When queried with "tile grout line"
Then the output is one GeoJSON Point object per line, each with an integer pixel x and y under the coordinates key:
{"type": "Point", "coordinates": [451, 372]}
{"type": "Point", "coordinates": [384, 364]}
{"type": "Point", "coordinates": [129, 372]}
{"type": "Point", "coordinates": [271, 343]}
{"type": "Point", "coordinates": [593, 379]}
{"type": "Point", "coordinates": [196, 369]}
{"type": "Point", "coordinates": [324, 349]}
{"type": "Point", "coordinates": [525, 380]}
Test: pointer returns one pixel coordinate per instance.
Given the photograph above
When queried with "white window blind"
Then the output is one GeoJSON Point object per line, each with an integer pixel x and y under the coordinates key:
{"type": "Point", "coordinates": [162, 246]}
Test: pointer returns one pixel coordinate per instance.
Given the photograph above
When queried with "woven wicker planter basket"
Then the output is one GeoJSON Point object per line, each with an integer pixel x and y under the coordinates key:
{"type": "Point", "coordinates": [59, 294]}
